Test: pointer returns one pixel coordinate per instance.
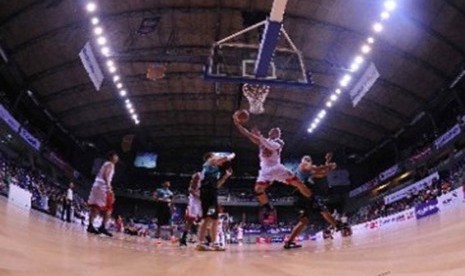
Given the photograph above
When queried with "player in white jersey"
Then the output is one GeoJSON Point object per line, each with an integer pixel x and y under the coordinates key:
{"type": "Point", "coordinates": [101, 198]}
{"type": "Point", "coordinates": [194, 207]}
{"type": "Point", "coordinates": [271, 168]}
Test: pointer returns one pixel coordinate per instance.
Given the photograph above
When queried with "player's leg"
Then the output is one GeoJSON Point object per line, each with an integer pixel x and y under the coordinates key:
{"type": "Point", "coordinates": [301, 225]}
{"type": "Point", "coordinates": [94, 211]}
{"type": "Point", "coordinates": [303, 189]}
{"type": "Point", "coordinates": [262, 197]}
{"type": "Point", "coordinates": [106, 214]}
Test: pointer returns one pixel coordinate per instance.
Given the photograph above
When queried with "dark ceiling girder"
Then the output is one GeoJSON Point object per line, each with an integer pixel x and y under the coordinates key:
{"type": "Point", "coordinates": [85, 126]}
{"type": "Point", "coordinates": [149, 128]}
{"type": "Point", "coordinates": [80, 87]}
{"type": "Point", "coordinates": [229, 9]}
{"type": "Point", "coordinates": [19, 12]}
{"type": "Point", "coordinates": [340, 115]}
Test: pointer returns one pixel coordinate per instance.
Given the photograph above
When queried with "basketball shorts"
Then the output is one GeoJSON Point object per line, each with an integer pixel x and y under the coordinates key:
{"type": "Point", "coordinates": [101, 197]}
{"type": "Point", "coordinates": [274, 173]}
{"type": "Point", "coordinates": [209, 202]}
{"type": "Point", "coordinates": [194, 208]}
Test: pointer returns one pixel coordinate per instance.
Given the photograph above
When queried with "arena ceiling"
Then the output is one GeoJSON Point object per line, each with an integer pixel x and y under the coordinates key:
{"type": "Point", "coordinates": [418, 54]}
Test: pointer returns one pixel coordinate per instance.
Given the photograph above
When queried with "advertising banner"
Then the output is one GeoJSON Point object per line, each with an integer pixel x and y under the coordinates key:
{"type": "Point", "coordinates": [426, 209]}
{"type": "Point", "coordinates": [448, 136]}
{"type": "Point", "coordinates": [392, 171]}
{"type": "Point", "coordinates": [29, 138]}
{"type": "Point", "coordinates": [451, 200]}
{"type": "Point", "coordinates": [8, 119]}
{"type": "Point", "coordinates": [91, 65]}
{"type": "Point", "coordinates": [417, 186]}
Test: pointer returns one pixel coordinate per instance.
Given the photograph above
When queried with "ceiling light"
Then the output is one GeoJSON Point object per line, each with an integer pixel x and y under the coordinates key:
{"type": "Point", "coordinates": [128, 105]}
{"type": "Point", "coordinates": [116, 78]}
{"type": "Point", "coordinates": [137, 122]}
{"type": "Point", "coordinates": [91, 7]}
{"type": "Point", "coordinates": [101, 40]}
{"type": "Point", "coordinates": [366, 49]}
{"type": "Point", "coordinates": [106, 51]}
{"type": "Point", "coordinates": [371, 40]}
{"type": "Point", "coordinates": [313, 125]}
{"type": "Point", "coordinates": [345, 80]}
{"type": "Point", "coordinates": [333, 97]}
{"type": "Point", "coordinates": [95, 21]}
{"type": "Point", "coordinates": [112, 69]}
{"type": "Point", "coordinates": [131, 110]}
{"type": "Point", "coordinates": [329, 104]}
{"type": "Point", "coordinates": [119, 85]}
{"type": "Point", "coordinates": [317, 120]}
{"type": "Point", "coordinates": [390, 5]}
{"type": "Point", "coordinates": [322, 114]}
{"type": "Point", "coordinates": [122, 93]}
{"type": "Point", "coordinates": [338, 91]}
{"type": "Point", "coordinates": [358, 60]}
{"type": "Point", "coordinates": [385, 15]}
{"type": "Point", "coordinates": [310, 130]}
{"type": "Point", "coordinates": [134, 116]}
{"type": "Point", "coordinates": [98, 30]}
{"type": "Point", "coordinates": [127, 101]}
{"type": "Point", "coordinates": [354, 67]}
{"type": "Point", "coordinates": [110, 63]}
{"type": "Point", "coordinates": [378, 27]}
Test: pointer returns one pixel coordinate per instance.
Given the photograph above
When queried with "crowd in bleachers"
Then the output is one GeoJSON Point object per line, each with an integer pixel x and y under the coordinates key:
{"type": "Point", "coordinates": [47, 196]}
{"type": "Point", "coordinates": [437, 188]}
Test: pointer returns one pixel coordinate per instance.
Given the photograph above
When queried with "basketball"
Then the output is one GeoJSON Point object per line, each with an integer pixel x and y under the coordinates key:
{"type": "Point", "coordinates": [242, 116]}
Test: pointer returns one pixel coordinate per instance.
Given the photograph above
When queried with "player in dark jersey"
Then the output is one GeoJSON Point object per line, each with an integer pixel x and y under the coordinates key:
{"type": "Point", "coordinates": [315, 177]}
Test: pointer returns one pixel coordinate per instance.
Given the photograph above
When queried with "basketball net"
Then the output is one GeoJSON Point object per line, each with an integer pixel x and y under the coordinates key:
{"type": "Point", "coordinates": [256, 95]}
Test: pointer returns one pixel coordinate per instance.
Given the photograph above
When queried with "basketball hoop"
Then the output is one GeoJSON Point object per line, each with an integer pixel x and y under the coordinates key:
{"type": "Point", "coordinates": [256, 95]}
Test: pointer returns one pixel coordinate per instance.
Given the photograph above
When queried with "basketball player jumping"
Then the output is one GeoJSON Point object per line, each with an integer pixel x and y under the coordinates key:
{"type": "Point", "coordinates": [209, 196]}
{"type": "Point", "coordinates": [271, 168]}
{"type": "Point", "coordinates": [316, 177]}
{"type": "Point", "coordinates": [101, 198]}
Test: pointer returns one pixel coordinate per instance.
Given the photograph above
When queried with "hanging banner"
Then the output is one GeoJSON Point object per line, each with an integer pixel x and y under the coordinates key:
{"type": "Point", "coordinates": [8, 119]}
{"type": "Point", "coordinates": [417, 186]}
{"type": "Point", "coordinates": [30, 139]}
{"type": "Point", "coordinates": [392, 171]}
{"type": "Point", "coordinates": [91, 65]}
{"type": "Point", "coordinates": [364, 84]}
{"type": "Point", "coordinates": [448, 136]}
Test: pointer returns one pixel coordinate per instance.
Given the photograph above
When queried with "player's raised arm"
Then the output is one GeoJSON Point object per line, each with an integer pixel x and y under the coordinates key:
{"type": "Point", "coordinates": [225, 177]}
{"type": "Point", "coordinates": [252, 137]}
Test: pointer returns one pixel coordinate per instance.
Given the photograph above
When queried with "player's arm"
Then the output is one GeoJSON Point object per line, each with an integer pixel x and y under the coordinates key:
{"type": "Point", "coordinates": [271, 145]}
{"type": "Point", "coordinates": [223, 179]}
{"type": "Point", "coordinates": [328, 162]}
{"type": "Point", "coordinates": [218, 161]}
{"type": "Point", "coordinates": [252, 137]}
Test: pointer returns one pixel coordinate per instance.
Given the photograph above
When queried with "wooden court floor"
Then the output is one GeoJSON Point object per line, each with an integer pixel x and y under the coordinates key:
{"type": "Point", "coordinates": [32, 243]}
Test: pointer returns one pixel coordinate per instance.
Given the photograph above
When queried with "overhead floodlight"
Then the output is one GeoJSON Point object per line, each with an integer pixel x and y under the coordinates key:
{"type": "Point", "coordinates": [119, 85]}
{"type": "Point", "coordinates": [94, 21]}
{"type": "Point", "coordinates": [371, 40]}
{"type": "Point", "coordinates": [134, 117]}
{"type": "Point", "coordinates": [101, 40]}
{"type": "Point", "coordinates": [91, 7]}
{"type": "Point", "coordinates": [366, 49]}
{"type": "Point", "coordinates": [385, 15]}
{"type": "Point", "coordinates": [317, 120]}
{"type": "Point", "coordinates": [354, 67]}
{"type": "Point", "coordinates": [338, 91]}
{"type": "Point", "coordinates": [128, 105]}
{"type": "Point", "coordinates": [390, 5]}
{"type": "Point", "coordinates": [358, 60]}
{"type": "Point", "coordinates": [137, 122]}
{"type": "Point", "coordinates": [112, 69]}
{"type": "Point", "coordinates": [127, 101]}
{"type": "Point", "coordinates": [310, 130]}
{"type": "Point", "coordinates": [345, 80]}
{"type": "Point", "coordinates": [322, 114]}
{"type": "Point", "coordinates": [377, 27]}
{"type": "Point", "coordinates": [116, 78]}
{"type": "Point", "coordinates": [110, 63]}
{"type": "Point", "coordinates": [106, 51]}
{"type": "Point", "coordinates": [313, 125]}
{"type": "Point", "coordinates": [122, 93]}
{"type": "Point", "coordinates": [98, 30]}
{"type": "Point", "coordinates": [329, 104]}
{"type": "Point", "coordinates": [132, 111]}
{"type": "Point", "coordinates": [333, 97]}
